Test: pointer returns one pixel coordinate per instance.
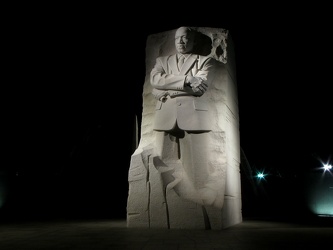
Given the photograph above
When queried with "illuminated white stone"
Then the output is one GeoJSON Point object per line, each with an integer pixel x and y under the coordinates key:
{"type": "Point", "coordinates": [154, 202]}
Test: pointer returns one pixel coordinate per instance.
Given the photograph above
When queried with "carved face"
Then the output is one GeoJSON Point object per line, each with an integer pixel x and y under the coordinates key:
{"type": "Point", "coordinates": [184, 40]}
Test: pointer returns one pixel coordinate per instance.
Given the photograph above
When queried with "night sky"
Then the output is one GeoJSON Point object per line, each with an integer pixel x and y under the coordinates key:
{"type": "Point", "coordinates": [76, 85]}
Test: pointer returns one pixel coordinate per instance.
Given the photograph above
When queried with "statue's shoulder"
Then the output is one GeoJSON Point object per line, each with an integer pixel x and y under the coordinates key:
{"type": "Point", "coordinates": [205, 59]}
{"type": "Point", "coordinates": [164, 59]}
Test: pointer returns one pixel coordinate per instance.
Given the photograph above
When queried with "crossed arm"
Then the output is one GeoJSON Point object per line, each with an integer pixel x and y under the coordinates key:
{"type": "Point", "coordinates": [195, 85]}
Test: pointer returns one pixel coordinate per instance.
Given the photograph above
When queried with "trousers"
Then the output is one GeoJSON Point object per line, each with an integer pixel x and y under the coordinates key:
{"type": "Point", "coordinates": [186, 163]}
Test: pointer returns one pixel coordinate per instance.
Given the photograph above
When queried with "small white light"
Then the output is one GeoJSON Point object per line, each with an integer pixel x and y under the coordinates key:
{"type": "Point", "coordinates": [260, 175]}
{"type": "Point", "coordinates": [327, 167]}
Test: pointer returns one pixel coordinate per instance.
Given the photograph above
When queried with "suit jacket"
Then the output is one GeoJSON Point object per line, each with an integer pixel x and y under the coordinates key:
{"type": "Point", "coordinates": [180, 104]}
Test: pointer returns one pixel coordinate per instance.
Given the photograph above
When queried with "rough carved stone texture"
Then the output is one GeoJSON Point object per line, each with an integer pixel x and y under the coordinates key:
{"type": "Point", "coordinates": [151, 204]}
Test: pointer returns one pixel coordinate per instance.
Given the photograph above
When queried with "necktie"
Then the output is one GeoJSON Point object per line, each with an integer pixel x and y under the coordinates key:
{"type": "Point", "coordinates": [181, 60]}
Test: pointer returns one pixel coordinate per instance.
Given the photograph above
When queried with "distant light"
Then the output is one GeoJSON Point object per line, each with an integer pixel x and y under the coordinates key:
{"type": "Point", "coordinates": [325, 215]}
{"type": "Point", "coordinates": [327, 167]}
{"type": "Point", "coordinates": [260, 175]}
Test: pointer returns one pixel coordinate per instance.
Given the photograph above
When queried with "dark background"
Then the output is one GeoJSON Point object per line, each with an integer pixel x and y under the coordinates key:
{"type": "Point", "coordinates": [74, 89]}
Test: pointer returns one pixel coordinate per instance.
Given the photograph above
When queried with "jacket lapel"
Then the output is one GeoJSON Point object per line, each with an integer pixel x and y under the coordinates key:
{"type": "Point", "coordinates": [173, 63]}
{"type": "Point", "coordinates": [188, 64]}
